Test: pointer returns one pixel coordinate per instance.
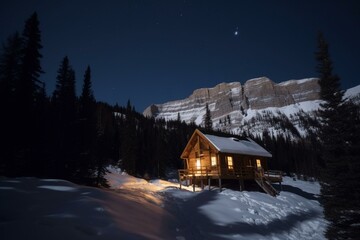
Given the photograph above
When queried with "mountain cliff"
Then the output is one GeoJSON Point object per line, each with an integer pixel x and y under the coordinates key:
{"type": "Point", "coordinates": [256, 106]}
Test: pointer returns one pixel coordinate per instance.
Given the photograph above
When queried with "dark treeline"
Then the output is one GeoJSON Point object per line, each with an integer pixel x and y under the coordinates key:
{"type": "Point", "coordinates": [291, 152]}
{"type": "Point", "coordinates": [74, 137]}
{"type": "Point", "coordinates": [46, 136]}
{"type": "Point", "coordinates": [301, 157]}
{"type": "Point", "coordinates": [149, 147]}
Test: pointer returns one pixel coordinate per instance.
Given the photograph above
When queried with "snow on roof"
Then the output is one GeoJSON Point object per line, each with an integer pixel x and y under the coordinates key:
{"type": "Point", "coordinates": [234, 145]}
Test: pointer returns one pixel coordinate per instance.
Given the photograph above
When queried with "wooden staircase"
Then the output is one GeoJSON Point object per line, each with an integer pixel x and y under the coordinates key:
{"type": "Point", "coordinates": [265, 183]}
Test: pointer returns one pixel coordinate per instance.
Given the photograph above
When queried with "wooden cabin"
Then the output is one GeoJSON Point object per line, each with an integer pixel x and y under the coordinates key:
{"type": "Point", "coordinates": [209, 157]}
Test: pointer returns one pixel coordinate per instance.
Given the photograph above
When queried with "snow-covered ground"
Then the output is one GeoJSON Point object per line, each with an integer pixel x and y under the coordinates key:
{"type": "Point", "coordinates": [133, 208]}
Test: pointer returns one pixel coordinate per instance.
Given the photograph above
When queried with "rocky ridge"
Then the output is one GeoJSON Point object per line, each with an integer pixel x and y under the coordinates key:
{"type": "Point", "coordinates": [225, 98]}
{"type": "Point", "coordinates": [258, 106]}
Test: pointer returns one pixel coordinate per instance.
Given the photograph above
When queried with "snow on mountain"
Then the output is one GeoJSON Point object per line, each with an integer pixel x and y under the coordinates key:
{"type": "Point", "coordinates": [32, 208]}
{"type": "Point", "coordinates": [352, 92]}
{"type": "Point", "coordinates": [235, 99]}
{"type": "Point", "coordinates": [251, 107]}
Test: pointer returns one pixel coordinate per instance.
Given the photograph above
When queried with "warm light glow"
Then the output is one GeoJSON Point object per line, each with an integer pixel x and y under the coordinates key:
{"type": "Point", "coordinates": [198, 163]}
{"type": "Point", "coordinates": [213, 161]}
{"type": "Point", "coordinates": [230, 162]}
{"type": "Point", "coordinates": [258, 163]}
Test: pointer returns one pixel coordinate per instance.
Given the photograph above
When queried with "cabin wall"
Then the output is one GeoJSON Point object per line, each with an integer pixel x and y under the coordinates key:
{"type": "Point", "coordinates": [243, 165]}
{"type": "Point", "coordinates": [201, 151]}
{"type": "Point", "coordinates": [199, 161]}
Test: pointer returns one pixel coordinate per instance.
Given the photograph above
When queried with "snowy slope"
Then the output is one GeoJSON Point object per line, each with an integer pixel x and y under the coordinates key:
{"type": "Point", "coordinates": [352, 92]}
{"type": "Point", "coordinates": [252, 107]}
{"type": "Point", "coordinates": [33, 208]}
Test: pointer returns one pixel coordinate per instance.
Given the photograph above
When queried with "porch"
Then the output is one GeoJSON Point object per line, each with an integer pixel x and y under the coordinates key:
{"type": "Point", "coordinates": [263, 178]}
{"type": "Point", "coordinates": [273, 176]}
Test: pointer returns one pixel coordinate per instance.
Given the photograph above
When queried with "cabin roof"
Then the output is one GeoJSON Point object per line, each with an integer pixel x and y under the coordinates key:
{"type": "Point", "coordinates": [237, 146]}
{"type": "Point", "coordinates": [227, 145]}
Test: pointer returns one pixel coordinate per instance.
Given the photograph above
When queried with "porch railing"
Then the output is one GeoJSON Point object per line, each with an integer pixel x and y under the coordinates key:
{"type": "Point", "coordinates": [202, 171]}
{"type": "Point", "coordinates": [244, 173]}
{"type": "Point", "coordinates": [273, 175]}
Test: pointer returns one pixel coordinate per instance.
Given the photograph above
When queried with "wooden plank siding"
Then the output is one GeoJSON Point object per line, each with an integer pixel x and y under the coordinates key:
{"type": "Point", "coordinates": [243, 166]}
{"type": "Point", "coordinates": [198, 155]}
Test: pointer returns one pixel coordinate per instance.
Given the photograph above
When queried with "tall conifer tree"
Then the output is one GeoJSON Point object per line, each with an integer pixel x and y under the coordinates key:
{"type": "Point", "coordinates": [340, 197]}
{"type": "Point", "coordinates": [88, 131]}
{"type": "Point", "coordinates": [64, 96]}
{"type": "Point", "coordinates": [87, 98]}
{"type": "Point", "coordinates": [64, 104]}
{"type": "Point", "coordinates": [129, 147]}
{"type": "Point", "coordinates": [29, 82]}
{"type": "Point", "coordinates": [207, 118]}
{"type": "Point", "coordinates": [9, 76]}
{"type": "Point", "coordinates": [10, 68]}
{"type": "Point", "coordinates": [29, 95]}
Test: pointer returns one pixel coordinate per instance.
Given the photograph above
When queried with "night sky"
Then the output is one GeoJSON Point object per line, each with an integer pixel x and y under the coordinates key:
{"type": "Point", "coordinates": [157, 51]}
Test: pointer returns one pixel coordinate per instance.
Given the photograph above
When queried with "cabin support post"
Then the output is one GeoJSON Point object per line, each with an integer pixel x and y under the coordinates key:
{"type": "Point", "coordinates": [193, 182]}
{"type": "Point", "coordinates": [202, 184]}
{"type": "Point", "coordinates": [220, 184]}
{"type": "Point", "coordinates": [242, 185]}
{"type": "Point", "coordinates": [209, 182]}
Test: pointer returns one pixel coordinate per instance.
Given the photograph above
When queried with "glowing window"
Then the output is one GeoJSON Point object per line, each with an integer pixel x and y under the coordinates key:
{"type": "Point", "coordinates": [198, 163]}
{"type": "Point", "coordinates": [230, 162]}
{"type": "Point", "coordinates": [213, 161]}
{"type": "Point", "coordinates": [258, 163]}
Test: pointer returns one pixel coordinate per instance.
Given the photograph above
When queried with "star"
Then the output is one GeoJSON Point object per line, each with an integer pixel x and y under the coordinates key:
{"type": "Point", "coordinates": [236, 32]}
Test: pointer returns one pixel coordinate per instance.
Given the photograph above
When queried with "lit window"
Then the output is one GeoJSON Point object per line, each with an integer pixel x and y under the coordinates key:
{"type": "Point", "coordinates": [230, 162]}
{"type": "Point", "coordinates": [258, 163]}
{"type": "Point", "coordinates": [198, 163]}
{"type": "Point", "coordinates": [213, 161]}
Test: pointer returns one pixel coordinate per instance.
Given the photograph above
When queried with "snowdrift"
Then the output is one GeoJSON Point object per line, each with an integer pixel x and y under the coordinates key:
{"type": "Point", "coordinates": [133, 208]}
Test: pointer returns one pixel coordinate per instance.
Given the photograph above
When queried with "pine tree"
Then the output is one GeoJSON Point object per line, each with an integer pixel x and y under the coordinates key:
{"type": "Point", "coordinates": [64, 97]}
{"type": "Point", "coordinates": [340, 197]}
{"type": "Point", "coordinates": [129, 147]}
{"type": "Point", "coordinates": [91, 164]}
{"type": "Point", "coordinates": [65, 122]}
{"type": "Point", "coordinates": [29, 100]}
{"type": "Point", "coordinates": [10, 68]}
{"type": "Point", "coordinates": [88, 131]}
{"type": "Point", "coordinates": [87, 98]}
{"type": "Point", "coordinates": [178, 117]}
{"type": "Point", "coordinates": [9, 76]}
{"type": "Point", "coordinates": [207, 119]}
{"type": "Point", "coordinates": [29, 84]}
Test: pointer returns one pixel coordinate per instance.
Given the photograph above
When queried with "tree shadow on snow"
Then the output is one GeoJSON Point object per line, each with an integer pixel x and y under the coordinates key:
{"type": "Point", "coordinates": [193, 224]}
{"type": "Point", "coordinates": [297, 191]}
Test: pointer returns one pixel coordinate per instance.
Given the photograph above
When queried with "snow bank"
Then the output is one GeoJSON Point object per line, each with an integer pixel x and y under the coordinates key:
{"type": "Point", "coordinates": [63, 210]}
{"type": "Point", "coordinates": [138, 209]}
